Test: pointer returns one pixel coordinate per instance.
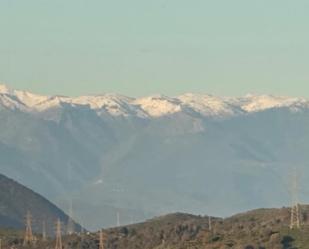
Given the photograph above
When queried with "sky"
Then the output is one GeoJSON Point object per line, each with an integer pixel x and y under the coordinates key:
{"type": "Point", "coordinates": [143, 47]}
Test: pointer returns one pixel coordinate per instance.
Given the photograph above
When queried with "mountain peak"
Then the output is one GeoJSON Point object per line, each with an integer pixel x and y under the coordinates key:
{"type": "Point", "coordinates": [159, 105]}
{"type": "Point", "coordinates": [253, 103]}
{"type": "Point", "coordinates": [4, 89]}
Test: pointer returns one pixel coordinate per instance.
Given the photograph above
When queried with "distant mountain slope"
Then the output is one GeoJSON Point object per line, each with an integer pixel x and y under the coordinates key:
{"type": "Point", "coordinates": [16, 200]}
{"type": "Point", "coordinates": [142, 157]}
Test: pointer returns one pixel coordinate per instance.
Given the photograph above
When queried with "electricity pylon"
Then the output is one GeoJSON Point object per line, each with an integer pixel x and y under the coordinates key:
{"type": "Point", "coordinates": [28, 239]}
{"type": "Point", "coordinates": [58, 235]}
{"type": "Point", "coordinates": [44, 231]}
{"type": "Point", "coordinates": [118, 219]}
{"type": "Point", "coordinates": [295, 208]}
{"type": "Point", "coordinates": [70, 225]}
{"type": "Point", "coordinates": [209, 223]}
{"type": "Point", "coordinates": [70, 229]}
{"type": "Point", "coordinates": [131, 219]}
{"type": "Point", "coordinates": [102, 240]}
{"type": "Point", "coordinates": [82, 230]}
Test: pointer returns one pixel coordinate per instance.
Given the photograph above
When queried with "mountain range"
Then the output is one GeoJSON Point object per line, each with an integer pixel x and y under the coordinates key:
{"type": "Point", "coordinates": [148, 107]}
{"type": "Point", "coordinates": [122, 159]}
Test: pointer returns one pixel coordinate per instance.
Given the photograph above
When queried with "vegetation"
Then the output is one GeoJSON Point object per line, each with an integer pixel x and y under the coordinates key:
{"type": "Point", "coordinates": [258, 229]}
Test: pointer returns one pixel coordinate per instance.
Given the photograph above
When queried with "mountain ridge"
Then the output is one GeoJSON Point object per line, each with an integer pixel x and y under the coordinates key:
{"type": "Point", "coordinates": [153, 106]}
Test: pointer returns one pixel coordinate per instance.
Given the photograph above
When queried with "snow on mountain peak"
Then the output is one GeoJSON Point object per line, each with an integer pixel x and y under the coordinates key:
{"type": "Point", "coordinates": [50, 102]}
{"type": "Point", "coordinates": [117, 105]}
{"type": "Point", "coordinates": [159, 105]}
{"type": "Point", "coordinates": [254, 103]}
{"type": "Point", "coordinates": [208, 105]}
{"type": "Point", "coordinates": [20, 99]}
{"type": "Point", "coordinates": [4, 89]}
{"type": "Point", "coordinates": [30, 99]}
{"type": "Point", "coordinates": [152, 106]}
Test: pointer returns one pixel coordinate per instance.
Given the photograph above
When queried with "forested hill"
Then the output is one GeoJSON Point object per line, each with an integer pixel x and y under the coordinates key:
{"type": "Point", "coordinates": [257, 229]}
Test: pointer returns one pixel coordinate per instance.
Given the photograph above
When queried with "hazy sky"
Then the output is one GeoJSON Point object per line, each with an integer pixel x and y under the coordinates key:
{"type": "Point", "coordinates": [140, 47]}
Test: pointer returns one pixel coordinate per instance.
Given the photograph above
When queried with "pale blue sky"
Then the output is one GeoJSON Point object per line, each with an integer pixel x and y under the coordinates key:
{"type": "Point", "coordinates": [140, 47]}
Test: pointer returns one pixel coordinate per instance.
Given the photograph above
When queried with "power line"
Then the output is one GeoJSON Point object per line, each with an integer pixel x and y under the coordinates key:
{"type": "Point", "coordinates": [102, 240]}
{"type": "Point", "coordinates": [209, 223]}
{"type": "Point", "coordinates": [44, 238]}
{"type": "Point", "coordinates": [118, 219]}
{"type": "Point", "coordinates": [70, 225]}
{"type": "Point", "coordinates": [28, 239]}
{"type": "Point", "coordinates": [295, 208]}
{"type": "Point", "coordinates": [58, 235]}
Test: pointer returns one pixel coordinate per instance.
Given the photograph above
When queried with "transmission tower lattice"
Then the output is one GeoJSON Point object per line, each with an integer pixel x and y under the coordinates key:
{"type": "Point", "coordinates": [118, 219]}
{"type": "Point", "coordinates": [209, 223]}
{"type": "Point", "coordinates": [44, 238]}
{"type": "Point", "coordinates": [102, 240]}
{"type": "Point", "coordinates": [28, 239]}
{"type": "Point", "coordinates": [70, 225]}
{"type": "Point", "coordinates": [295, 208]}
{"type": "Point", "coordinates": [58, 235]}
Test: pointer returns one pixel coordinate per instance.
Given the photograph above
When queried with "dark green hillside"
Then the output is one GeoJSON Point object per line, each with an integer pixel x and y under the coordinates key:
{"type": "Point", "coordinates": [257, 229]}
{"type": "Point", "coordinates": [16, 200]}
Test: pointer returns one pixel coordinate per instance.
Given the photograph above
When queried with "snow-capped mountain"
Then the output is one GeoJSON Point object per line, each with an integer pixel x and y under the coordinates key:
{"type": "Point", "coordinates": [151, 106]}
{"type": "Point", "coordinates": [147, 156]}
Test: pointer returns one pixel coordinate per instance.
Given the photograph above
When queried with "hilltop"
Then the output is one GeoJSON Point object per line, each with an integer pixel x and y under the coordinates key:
{"type": "Point", "coordinates": [257, 229]}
